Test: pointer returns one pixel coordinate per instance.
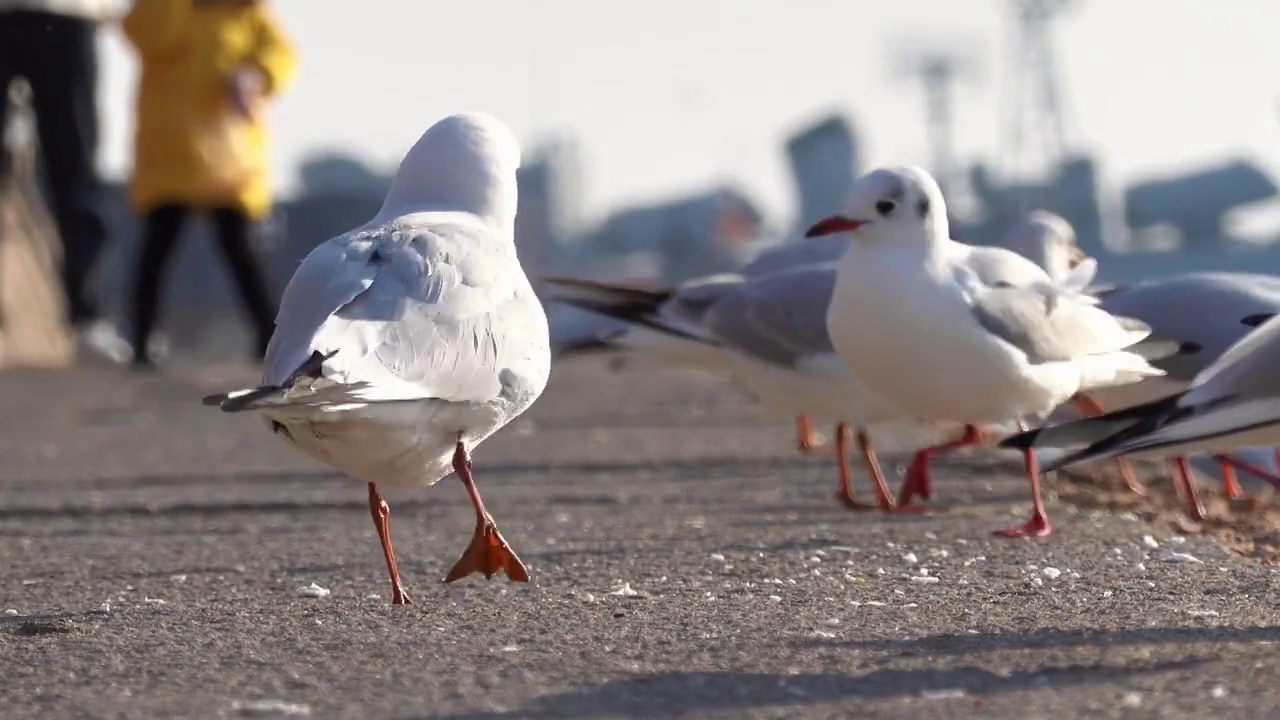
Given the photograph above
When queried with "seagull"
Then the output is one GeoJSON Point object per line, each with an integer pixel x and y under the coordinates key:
{"type": "Point", "coordinates": [1211, 313]}
{"type": "Point", "coordinates": [404, 343]}
{"type": "Point", "coordinates": [1049, 241]}
{"type": "Point", "coordinates": [913, 318]}
{"type": "Point", "coordinates": [773, 332]}
{"type": "Point", "coordinates": [767, 331]}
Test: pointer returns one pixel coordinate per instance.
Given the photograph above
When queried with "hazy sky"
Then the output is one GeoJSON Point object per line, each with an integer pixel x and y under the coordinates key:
{"type": "Point", "coordinates": [670, 95]}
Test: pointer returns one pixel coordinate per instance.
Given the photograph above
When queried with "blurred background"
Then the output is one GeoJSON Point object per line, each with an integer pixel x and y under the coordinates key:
{"type": "Point", "coordinates": [674, 138]}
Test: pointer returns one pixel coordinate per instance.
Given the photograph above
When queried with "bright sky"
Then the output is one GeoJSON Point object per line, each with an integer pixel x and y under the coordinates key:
{"type": "Point", "coordinates": [671, 95]}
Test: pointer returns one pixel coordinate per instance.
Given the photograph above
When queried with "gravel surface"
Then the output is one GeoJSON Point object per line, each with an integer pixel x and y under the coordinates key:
{"type": "Point", "coordinates": [162, 559]}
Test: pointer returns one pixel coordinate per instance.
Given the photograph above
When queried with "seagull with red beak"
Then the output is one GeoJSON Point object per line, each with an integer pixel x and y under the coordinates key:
{"type": "Point", "coordinates": [951, 345]}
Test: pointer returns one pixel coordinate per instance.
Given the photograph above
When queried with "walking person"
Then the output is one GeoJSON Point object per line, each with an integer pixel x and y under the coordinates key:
{"type": "Point", "coordinates": [208, 67]}
{"type": "Point", "coordinates": [52, 45]}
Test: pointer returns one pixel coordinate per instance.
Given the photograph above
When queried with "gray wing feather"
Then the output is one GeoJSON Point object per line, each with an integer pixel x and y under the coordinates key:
{"type": "Point", "coordinates": [1202, 310]}
{"type": "Point", "coordinates": [331, 276]}
{"type": "Point", "coordinates": [780, 318]}
{"type": "Point", "coordinates": [1047, 327]}
{"type": "Point", "coordinates": [443, 313]}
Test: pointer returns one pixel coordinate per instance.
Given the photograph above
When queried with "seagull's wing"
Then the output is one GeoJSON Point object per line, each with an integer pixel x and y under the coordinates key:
{"type": "Point", "coordinates": [1239, 393]}
{"type": "Point", "coordinates": [797, 253]}
{"type": "Point", "coordinates": [780, 318]}
{"type": "Point", "coordinates": [1048, 326]}
{"type": "Point", "coordinates": [1206, 312]}
{"type": "Point", "coordinates": [997, 266]}
{"type": "Point", "coordinates": [432, 310]}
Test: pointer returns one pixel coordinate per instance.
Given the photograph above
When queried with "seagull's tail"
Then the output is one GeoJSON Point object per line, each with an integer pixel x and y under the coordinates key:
{"type": "Point", "coordinates": [246, 399]}
{"type": "Point", "coordinates": [1153, 349]}
{"type": "Point", "coordinates": [1114, 368]}
{"type": "Point", "coordinates": [270, 395]}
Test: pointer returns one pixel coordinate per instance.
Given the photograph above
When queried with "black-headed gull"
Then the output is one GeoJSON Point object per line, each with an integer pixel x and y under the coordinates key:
{"type": "Point", "coordinates": [1049, 241]}
{"type": "Point", "coordinates": [913, 318]}
{"type": "Point", "coordinates": [403, 344]}
{"type": "Point", "coordinates": [767, 331]}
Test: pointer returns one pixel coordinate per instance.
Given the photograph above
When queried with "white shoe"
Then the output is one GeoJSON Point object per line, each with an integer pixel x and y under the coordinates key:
{"type": "Point", "coordinates": [100, 338]}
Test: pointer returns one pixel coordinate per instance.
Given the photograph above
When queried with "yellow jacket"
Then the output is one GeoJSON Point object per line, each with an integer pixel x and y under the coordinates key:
{"type": "Point", "coordinates": [189, 148]}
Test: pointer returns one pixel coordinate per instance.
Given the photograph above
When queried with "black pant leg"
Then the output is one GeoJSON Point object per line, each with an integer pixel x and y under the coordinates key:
{"type": "Point", "coordinates": [235, 232]}
{"type": "Point", "coordinates": [64, 81]}
{"type": "Point", "coordinates": [162, 229]}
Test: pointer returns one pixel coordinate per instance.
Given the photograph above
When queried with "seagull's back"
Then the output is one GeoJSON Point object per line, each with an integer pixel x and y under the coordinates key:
{"type": "Point", "coordinates": [419, 330]}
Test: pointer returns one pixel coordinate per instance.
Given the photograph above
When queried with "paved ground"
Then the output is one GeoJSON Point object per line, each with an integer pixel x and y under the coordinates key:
{"type": "Point", "coordinates": [686, 562]}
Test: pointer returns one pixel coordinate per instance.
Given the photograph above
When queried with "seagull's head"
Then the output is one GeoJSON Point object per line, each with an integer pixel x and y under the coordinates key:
{"type": "Point", "coordinates": [900, 205]}
{"type": "Point", "coordinates": [465, 162]}
{"type": "Point", "coordinates": [1049, 241]}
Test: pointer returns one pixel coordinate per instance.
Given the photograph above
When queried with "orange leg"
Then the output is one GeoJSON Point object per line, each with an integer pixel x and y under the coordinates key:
{"type": "Point", "coordinates": [1186, 483]}
{"type": "Point", "coordinates": [1235, 463]}
{"type": "Point", "coordinates": [488, 552]}
{"type": "Point", "coordinates": [806, 441]}
{"type": "Point", "coordinates": [883, 497]}
{"type": "Point", "coordinates": [916, 481]}
{"type": "Point", "coordinates": [381, 513]}
{"type": "Point", "coordinates": [1088, 406]}
{"type": "Point", "coordinates": [845, 495]}
{"type": "Point", "coordinates": [1230, 485]}
{"type": "Point", "coordinates": [1038, 524]}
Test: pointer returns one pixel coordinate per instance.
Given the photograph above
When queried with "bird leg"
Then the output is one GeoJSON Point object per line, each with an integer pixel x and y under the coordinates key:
{"type": "Point", "coordinates": [916, 481]}
{"type": "Point", "coordinates": [1088, 406]}
{"type": "Point", "coordinates": [1038, 524]}
{"type": "Point", "coordinates": [884, 500]}
{"type": "Point", "coordinates": [806, 440]}
{"type": "Point", "coordinates": [1230, 485]}
{"type": "Point", "coordinates": [882, 488]}
{"type": "Point", "coordinates": [381, 513]}
{"type": "Point", "coordinates": [1231, 462]}
{"type": "Point", "coordinates": [845, 494]}
{"type": "Point", "coordinates": [1183, 480]}
{"type": "Point", "coordinates": [488, 552]}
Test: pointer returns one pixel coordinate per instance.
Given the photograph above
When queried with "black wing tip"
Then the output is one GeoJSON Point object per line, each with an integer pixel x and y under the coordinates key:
{"type": "Point", "coordinates": [216, 399]}
{"type": "Point", "coordinates": [1256, 319]}
{"type": "Point", "coordinates": [1021, 441]}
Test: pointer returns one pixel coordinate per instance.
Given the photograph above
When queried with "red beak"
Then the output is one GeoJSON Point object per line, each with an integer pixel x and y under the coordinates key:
{"type": "Point", "coordinates": [834, 224]}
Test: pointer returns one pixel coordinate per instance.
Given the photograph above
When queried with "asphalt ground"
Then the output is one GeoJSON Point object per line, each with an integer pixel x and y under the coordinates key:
{"type": "Point", "coordinates": [686, 562]}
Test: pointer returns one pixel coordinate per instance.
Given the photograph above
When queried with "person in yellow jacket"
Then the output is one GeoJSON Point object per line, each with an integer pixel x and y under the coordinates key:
{"type": "Point", "coordinates": [208, 67]}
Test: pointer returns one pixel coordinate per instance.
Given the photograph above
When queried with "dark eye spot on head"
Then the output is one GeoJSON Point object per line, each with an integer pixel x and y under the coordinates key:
{"type": "Point", "coordinates": [1256, 320]}
{"type": "Point", "coordinates": [884, 207]}
{"type": "Point", "coordinates": [922, 208]}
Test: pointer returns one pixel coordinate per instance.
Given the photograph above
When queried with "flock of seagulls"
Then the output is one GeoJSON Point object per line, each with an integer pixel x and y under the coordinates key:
{"type": "Point", "coordinates": [403, 344]}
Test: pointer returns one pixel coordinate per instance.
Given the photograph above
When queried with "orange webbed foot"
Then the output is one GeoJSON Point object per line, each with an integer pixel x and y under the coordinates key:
{"type": "Point", "coordinates": [489, 554]}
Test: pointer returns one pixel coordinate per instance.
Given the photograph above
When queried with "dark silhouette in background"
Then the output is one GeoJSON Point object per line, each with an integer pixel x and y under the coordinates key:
{"type": "Point", "coordinates": [52, 45]}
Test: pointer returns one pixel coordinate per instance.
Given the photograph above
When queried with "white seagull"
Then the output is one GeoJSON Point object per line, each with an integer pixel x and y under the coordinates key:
{"type": "Point", "coordinates": [913, 318]}
{"type": "Point", "coordinates": [401, 345]}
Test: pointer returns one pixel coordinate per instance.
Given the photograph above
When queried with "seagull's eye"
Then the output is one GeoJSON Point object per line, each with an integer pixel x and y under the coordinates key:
{"type": "Point", "coordinates": [922, 208]}
{"type": "Point", "coordinates": [884, 207]}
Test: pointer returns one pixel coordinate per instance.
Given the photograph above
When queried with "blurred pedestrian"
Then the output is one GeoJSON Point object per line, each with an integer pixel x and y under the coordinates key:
{"type": "Point", "coordinates": [208, 67]}
{"type": "Point", "coordinates": [52, 45]}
